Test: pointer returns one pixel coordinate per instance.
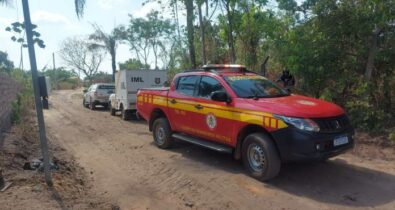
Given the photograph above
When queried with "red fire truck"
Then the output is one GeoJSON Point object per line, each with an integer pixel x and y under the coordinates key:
{"type": "Point", "coordinates": [230, 109]}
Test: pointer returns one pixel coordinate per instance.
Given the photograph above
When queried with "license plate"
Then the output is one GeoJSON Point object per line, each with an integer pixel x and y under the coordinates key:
{"type": "Point", "coordinates": [340, 141]}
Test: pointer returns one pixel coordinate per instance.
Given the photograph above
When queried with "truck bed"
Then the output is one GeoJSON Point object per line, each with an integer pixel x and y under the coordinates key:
{"type": "Point", "coordinates": [156, 89]}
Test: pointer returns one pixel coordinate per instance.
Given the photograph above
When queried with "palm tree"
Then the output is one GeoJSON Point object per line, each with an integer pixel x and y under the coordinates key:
{"type": "Point", "coordinates": [108, 42]}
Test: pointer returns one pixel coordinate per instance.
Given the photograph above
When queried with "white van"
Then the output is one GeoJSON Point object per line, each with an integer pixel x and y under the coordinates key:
{"type": "Point", "coordinates": [127, 83]}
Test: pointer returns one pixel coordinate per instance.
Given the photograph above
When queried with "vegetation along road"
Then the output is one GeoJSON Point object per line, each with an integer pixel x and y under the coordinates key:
{"type": "Point", "coordinates": [128, 169]}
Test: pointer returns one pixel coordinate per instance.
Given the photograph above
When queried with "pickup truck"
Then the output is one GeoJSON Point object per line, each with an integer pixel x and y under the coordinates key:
{"type": "Point", "coordinates": [230, 109]}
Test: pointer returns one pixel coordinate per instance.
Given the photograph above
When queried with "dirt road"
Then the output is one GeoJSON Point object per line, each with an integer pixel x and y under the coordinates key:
{"type": "Point", "coordinates": [128, 169]}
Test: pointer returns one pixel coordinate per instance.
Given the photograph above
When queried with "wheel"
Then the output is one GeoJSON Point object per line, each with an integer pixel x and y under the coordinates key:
{"type": "Point", "coordinates": [92, 105]}
{"type": "Point", "coordinates": [138, 116]}
{"type": "Point", "coordinates": [124, 114]}
{"type": "Point", "coordinates": [112, 110]}
{"type": "Point", "coordinates": [260, 156]}
{"type": "Point", "coordinates": [85, 104]}
{"type": "Point", "coordinates": [162, 133]}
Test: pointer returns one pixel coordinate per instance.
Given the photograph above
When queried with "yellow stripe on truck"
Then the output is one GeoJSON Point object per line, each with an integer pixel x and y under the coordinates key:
{"type": "Point", "coordinates": [242, 115]}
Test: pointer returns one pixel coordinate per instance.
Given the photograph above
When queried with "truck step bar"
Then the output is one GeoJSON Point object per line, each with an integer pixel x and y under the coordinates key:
{"type": "Point", "coordinates": [207, 144]}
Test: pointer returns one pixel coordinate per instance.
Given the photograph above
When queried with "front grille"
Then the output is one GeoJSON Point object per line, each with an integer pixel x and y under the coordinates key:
{"type": "Point", "coordinates": [333, 124]}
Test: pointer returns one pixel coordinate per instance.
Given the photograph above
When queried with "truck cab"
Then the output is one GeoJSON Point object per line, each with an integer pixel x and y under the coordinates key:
{"type": "Point", "coordinates": [230, 109]}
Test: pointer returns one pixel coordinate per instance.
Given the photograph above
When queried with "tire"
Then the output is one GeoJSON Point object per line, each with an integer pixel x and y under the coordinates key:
{"type": "Point", "coordinates": [260, 156]}
{"type": "Point", "coordinates": [162, 133]}
{"type": "Point", "coordinates": [86, 105]}
{"type": "Point", "coordinates": [112, 110]}
{"type": "Point", "coordinates": [138, 116]}
{"type": "Point", "coordinates": [124, 114]}
{"type": "Point", "coordinates": [92, 105]}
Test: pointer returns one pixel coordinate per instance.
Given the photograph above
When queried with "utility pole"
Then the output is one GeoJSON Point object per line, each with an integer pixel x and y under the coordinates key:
{"type": "Point", "coordinates": [53, 61]}
{"type": "Point", "coordinates": [39, 108]}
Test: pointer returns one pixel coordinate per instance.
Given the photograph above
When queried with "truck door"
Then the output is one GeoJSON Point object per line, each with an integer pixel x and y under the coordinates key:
{"type": "Point", "coordinates": [212, 118]}
{"type": "Point", "coordinates": [181, 109]}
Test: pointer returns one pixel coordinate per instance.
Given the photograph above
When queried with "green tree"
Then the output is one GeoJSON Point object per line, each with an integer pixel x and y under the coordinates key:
{"type": "Point", "coordinates": [132, 64]}
{"type": "Point", "coordinates": [101, 77]}
{"type": "Point", "coordinates": [5, 64]}
{"type": "Point", "coordinates": [60, 75]}
{"type": "Point", "coordinates": [148, 35]}
{"type": "Point", "coordinates": [108, 42]}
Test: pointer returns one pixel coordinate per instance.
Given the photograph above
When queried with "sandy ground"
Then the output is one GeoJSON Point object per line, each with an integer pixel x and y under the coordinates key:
{"type": "Point", "coordinates": [126, 168]}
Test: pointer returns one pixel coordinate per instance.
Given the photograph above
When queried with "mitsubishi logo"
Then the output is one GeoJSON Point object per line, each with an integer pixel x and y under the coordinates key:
{"type": "Point", "coordinates": [337, 124]}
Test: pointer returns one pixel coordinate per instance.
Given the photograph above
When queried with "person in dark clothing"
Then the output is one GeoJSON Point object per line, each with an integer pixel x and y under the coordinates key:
{"type": "Point", "coordinates": [287, 79]}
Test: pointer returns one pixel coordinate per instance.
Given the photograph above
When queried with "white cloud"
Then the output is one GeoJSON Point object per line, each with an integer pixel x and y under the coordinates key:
{"type": "Point", "coordinates": [109, 4]}
{"type": "Point", "coordinates": [43, 17]}
{"type": "Point", "coordinates": [147, 8]}
{"type": "Point", "coordinates": [5, 21]}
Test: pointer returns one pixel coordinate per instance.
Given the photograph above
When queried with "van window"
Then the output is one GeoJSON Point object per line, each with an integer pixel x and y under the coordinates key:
{"type": "Point", "coordinates": [187, 85]}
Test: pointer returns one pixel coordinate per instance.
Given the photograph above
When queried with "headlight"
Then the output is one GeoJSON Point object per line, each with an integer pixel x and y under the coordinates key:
{"type": "Point", "coordinates": [300, 123]}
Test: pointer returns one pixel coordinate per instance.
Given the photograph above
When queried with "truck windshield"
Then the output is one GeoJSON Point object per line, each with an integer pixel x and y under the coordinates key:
{"type": "Point", "coordinates": [254, 86]}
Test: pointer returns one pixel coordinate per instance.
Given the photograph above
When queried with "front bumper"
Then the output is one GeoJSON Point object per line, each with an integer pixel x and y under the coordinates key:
{"type": "Point", "coordinates": [297, 145]}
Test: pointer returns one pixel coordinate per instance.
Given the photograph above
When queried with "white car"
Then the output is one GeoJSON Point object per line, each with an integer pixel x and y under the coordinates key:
{"type": "Point", "coordinates": [98, 94]}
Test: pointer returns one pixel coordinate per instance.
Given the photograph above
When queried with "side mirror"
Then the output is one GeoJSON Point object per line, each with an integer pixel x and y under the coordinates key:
{"type": "Point", "coordinates": [220, 96]}
{"type": "Point", "coordinates": [85, 90]}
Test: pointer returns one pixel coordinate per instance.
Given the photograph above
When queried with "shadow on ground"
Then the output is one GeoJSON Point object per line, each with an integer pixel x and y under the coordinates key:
{"type": "Point", "coordinates": [334, 181]}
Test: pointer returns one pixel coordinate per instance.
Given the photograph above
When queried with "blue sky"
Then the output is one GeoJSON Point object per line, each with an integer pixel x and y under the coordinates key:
{"type": "Point", "coordinates": [57, 20]}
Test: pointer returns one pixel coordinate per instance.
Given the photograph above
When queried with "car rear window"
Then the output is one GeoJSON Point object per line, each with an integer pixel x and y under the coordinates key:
{"type": "Point", "coordinates": [106, 87]}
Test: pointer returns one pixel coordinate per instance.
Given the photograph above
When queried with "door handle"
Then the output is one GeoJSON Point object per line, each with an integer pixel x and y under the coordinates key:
{"type": "Point", "coordinates": [173, 101]}
{"type": "Point", "coordinates": [199, 106]}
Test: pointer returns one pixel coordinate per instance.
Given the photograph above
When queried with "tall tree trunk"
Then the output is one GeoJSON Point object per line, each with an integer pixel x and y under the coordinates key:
{"type": "Point", "coordinates": [155, 54]}
{"type": "Point", "coordinates": [203, 38]}
{"type": "Point", "coordinates": [230, 34]}
{"type": "Point", "coordinates": [113, 63]}
{"type": "Point", "coordinates": [387, 102]}
{"type": "Point", "coordinates": [372, 54]}
{"type": "Point", "coordinates": [191, 45]}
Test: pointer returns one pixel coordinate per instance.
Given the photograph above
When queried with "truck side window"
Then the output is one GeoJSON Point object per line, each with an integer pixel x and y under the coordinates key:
{"type": "Point", "coordinates": [186, 85]}
{"type": "Point", "coordinates": [208, 85]}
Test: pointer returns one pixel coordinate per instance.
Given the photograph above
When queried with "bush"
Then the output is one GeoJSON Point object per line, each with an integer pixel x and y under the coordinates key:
{"type": "Point", "coordinates": [365, 116]}
{"type": "Point", "coordinates": [24, 101]}
{"type": "Point", "coordinates": [391, 136]}
{"type": "Point", "coordinates": [16, 110]}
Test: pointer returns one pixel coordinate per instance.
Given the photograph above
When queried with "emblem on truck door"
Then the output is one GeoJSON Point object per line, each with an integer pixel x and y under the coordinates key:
{"type": "Point", "coordinates": [157, 80]}
{"type": "Point", "coordinates": [211, 121]}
